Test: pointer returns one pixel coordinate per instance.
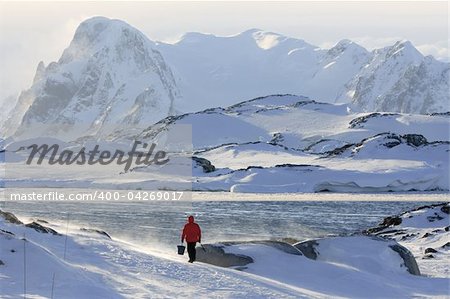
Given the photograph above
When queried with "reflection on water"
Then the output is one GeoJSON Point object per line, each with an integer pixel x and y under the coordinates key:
{"type": "Point", "coordinates": [160, 222]}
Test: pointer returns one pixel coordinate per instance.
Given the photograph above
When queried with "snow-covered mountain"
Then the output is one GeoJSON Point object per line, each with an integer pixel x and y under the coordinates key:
{"type": "Point", "coordinates": [400, 79]}
{"type": "Point", "coordinates": [226, 70]}
{"type": "Point", "coordinates": [112, 76]}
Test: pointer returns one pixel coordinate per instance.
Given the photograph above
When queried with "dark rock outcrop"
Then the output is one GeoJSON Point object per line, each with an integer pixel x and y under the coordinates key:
{"type": "Point", "coordinates": [276, 138]}
{"type": "Point", "coordinates": [204, 163]}
{"type": "Point", "coordinates": [407, 236]}
{"type": "Point", "coordinates": [425, 207]}
{"type": "Point", "coordinates": [415, 139]}
{"type": "Point", "coordinates": [308, 248]}
{"type": "Point", "coordinates": [359, 121]}
{"type": "Point", "coordinates": [391, 221]}
{"type": "Point", "coordinates": [430, 250]}
{"type": "Point", "coordinates": [215, 255]}
{"type": "Point", "coordinates": [426, 235]}
{"type": "Point", "coordinates": [387, 222]}
{"type": "Point", "coordinates": [91, 230]}
{"type": "Point", "coordinates": [435, 217]}
{"type": "Point", "coordinates": [386, 139]}
{"type": "Point", "coordinates": [440, 113]}
{"type": "Point", "coordinates": [42, 229]}
{"type": "Point", "coordinates": [339, 150]}
{"type": "Point", "coordinates": [10, 217]}
{"type": "Point", "coordinates": [397, 219]}
{"type": "Point", "coordinates": [8, 233]}
{"type": "Point", "coordinates": [408, 258]}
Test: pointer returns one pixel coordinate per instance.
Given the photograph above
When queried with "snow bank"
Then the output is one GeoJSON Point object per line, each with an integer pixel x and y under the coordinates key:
{"type": "Point", "coordinates": [346, 267]}
{"type": "Point", "coordinates": [312, 178]}
{"type": "Point", "coordinates": [426, 232]}
{"type": "Point", "coordinates": [375, 255]}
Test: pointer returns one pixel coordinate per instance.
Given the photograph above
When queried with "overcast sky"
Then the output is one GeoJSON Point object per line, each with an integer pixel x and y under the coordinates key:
{"type": "Point", "coordinates": [33, 31]}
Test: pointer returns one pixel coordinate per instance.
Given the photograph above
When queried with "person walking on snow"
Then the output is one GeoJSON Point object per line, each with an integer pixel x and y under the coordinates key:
{"type": "Point", "coordinates": [192, 234]}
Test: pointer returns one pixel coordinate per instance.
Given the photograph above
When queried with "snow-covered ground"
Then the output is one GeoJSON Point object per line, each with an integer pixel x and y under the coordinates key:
{"type": "Point", "coordinates": [97, 267]}
{"type": "Point", "coordinates": [346, 267]}
{"type": "Point", "coordinates": [88, 263]}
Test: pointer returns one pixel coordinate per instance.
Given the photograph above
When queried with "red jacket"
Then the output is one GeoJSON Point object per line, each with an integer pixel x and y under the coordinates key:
{"type": "Point", "coordinates": [191, 231]}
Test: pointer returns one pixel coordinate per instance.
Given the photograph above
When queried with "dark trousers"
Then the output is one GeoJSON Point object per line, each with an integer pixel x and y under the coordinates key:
{"type": "Point", "coordinates": [191, 250]}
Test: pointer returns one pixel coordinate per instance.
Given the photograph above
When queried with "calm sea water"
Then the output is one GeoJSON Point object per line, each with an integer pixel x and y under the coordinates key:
{"type": "Point", "coordinates": [161, 222]}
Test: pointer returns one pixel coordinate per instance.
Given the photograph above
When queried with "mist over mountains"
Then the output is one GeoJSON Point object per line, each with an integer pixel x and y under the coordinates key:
{"type": "Point", "coordinates": [112, 76]}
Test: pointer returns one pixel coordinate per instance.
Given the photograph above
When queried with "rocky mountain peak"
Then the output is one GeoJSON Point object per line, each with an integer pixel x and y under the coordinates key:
{"type": "Point", "coordinates": [103, 34]}
{"type": "Point", "coordinates": [404, 49]}
{"type": "Point", "coordinates": [346, 45]}
{"type": "Point", "coordinates": [110, 76]}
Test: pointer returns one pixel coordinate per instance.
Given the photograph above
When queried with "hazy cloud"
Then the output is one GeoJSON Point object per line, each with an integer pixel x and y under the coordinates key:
{"type": "Point", "coordinates": [439, 50]}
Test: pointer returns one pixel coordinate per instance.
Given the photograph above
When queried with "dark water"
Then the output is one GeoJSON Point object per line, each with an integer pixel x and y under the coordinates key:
{"type": "Point", "coordinates": [160, 222]}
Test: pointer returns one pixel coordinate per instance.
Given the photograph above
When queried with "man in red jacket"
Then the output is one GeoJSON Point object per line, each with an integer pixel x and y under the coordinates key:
{"type": "Point", "coordinates": [192, 234]}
